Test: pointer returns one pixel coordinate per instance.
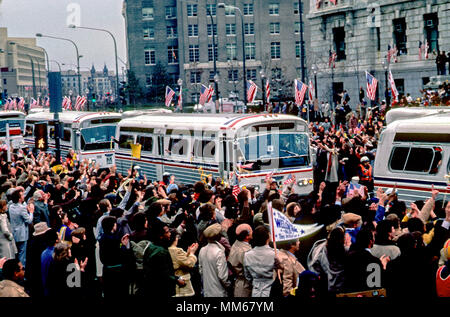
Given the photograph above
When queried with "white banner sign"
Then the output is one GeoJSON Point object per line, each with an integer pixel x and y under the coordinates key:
{"type": "Point", "coordinates": [283, 229]}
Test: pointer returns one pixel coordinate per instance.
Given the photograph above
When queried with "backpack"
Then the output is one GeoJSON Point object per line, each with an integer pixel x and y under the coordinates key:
{"type": "Point", "coordinates": [138, 251]}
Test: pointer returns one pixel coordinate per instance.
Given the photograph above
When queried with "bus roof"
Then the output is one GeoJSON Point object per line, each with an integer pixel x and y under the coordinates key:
{"type": "Point", "coordinates": [205, 121]}
{"type": "Point", "coordinates": [10, 113]}
{"type": "Point", "coordinates": [71, 116]}
{"type": "Point", "coordinates": [437, 123]}
{"type": "Point", "coordinates": [413, 112]}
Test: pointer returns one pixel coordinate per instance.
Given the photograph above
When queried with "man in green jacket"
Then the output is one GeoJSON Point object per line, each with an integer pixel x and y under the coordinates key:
{"type": "Point", "coordinates": [159, 276]}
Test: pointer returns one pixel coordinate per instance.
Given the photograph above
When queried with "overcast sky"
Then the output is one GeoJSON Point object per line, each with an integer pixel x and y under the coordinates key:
{"type": "Point", "coordinates": [25, 18]}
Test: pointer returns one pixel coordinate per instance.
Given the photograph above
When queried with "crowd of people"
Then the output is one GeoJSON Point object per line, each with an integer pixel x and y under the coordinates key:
{"type": "Point", "coordinates": [90, 232]}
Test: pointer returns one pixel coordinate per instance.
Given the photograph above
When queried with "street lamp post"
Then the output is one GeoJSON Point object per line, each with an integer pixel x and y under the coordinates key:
{"type": "Point", "coordinates": [314, 69]}
{"type": "Point", "coordinates": [216, 81]}
{"type": "Point", "coordinates": [115, 52]}
{"type": "Point", "coordinates": [223, 5]}
{"type": "Point", "coordinates": [263, 76]}
{"type": "Point", "coordinates": [76, 49]}
{"type": "Point", "coordinates": [180, 85]}
{"type": "Point", "coordinates": [302, 42]}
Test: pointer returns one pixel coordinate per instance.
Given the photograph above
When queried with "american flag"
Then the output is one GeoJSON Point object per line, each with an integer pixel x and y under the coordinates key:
{"type": "Point", "coordinates": [318, 2]}
{"type": "Point", "coordinates": [426, 49]}
{"type": "Point", "coordinates": [371, 86]}
{"type": "Point", "coordinates": [251, 91]}
{"type": "Point", "coordinates": [332, 59]}
{"type": "Point", "coordinates": [180, 100]}
{"type": "Point", "coordinates": [169, 95]}
{"type": "Point", "coordinates": [7, 103]}
{"type": "Point", "coordinates": [210, 93]}
{"type": "Point", "coordinates": [394, 53]}
{"type": "Point", "coordinates": [13, 104]}
{"type": "Point", "coordinates": [79, 104]}
{"type": "Point", "coordinates": [421, 47]}
{"type": "Point", "coordinates": [21, 104]}
{"type": "Point", "coordinates": [300, 90]}
{"type": "Point", "coordinates": [289, 180]}
{"type": "Point", "coordinates": [311, 90]}
{"type": "Point", "coordinates": [67, 103]}
{"type": "Point", "coordinates": [393, 87]}
{"type": "Point", "coordinates": [267, 91]}
{"type": "Point", "coordinates": [333, 1]}
{"type": "Point", "coordinates": [204, 91]}
{"type": "Point", "coordinates": [46, 102]}
{"type": "Point", "coordinates": [33, 103]}
{"type": "Point", "coordinates": [236, 189]}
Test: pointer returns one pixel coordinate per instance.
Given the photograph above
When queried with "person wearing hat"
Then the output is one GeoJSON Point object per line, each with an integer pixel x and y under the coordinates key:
{"type": "Point", "coordinates": [366, 173]}
{"type": "Point", "coordinates": [213, 264]}
{"type": "Point", "coordinates": [291, 266]}
{"type": "Point", "coordinates": [242, 287]}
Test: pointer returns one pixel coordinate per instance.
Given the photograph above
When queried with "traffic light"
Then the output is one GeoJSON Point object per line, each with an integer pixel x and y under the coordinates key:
{"type": "Point", "coordinates": [1, 98]}
{"type": "Point", "coordinates": [94, 98]}
{"type": "Point", "coordinates": [40, 134]}
{"type": "Point", "coordinates": [122, 95]}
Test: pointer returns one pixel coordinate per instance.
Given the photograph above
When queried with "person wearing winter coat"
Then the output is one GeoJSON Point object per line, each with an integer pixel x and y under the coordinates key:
{"type": "Point", "coordinates": [8, 248]}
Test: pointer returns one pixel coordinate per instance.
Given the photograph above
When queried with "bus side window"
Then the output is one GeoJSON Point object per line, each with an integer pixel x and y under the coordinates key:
{"type": "Point", "coordinates": [398, 158]}
{"type": "Point", "coordinates": [146, 142]}
{"type": "Point", "coordinates": [208, 149]}
{"type": "Point", "coordinates": [29, 130]}
{"type": "Point", "coordinates": [66, 136]}
{"type": "Point", "coordinates": [125, 141]}
{"type": "Point", "coordinates": [419, 160]}
{"type": "Point", "coordinates": [437, 161]}
{"type": "Point", "coordinates": [178, 146]}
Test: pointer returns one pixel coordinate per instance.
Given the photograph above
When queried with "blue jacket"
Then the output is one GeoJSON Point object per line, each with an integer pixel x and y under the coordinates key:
{"type": "Point", "coordinates": [46, 260]}
{"type": "Point", "coordinates": [20, 218]}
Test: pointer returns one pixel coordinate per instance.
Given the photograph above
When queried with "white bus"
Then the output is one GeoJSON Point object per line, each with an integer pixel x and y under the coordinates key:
{"type": "Point", "coordinates": [87, 133]}
{"type": "Point", "coordinates": [16, 123]}
{"type": "Point", "coordinates": [191, 145]}
{"type": "Point", "coordinates": [412, 155]}
{"type": "Point", "coordinates": [413, 112]}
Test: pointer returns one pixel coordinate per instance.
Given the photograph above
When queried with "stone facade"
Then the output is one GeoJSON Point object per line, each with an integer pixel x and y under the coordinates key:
{"type": "Point", "coordinates": [266, 23]}
{"type": "Point", "coordinates": [369, 27]}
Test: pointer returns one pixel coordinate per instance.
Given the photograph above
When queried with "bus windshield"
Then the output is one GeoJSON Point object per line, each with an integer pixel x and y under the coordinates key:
{"type": "Point", "coordinates": [13, 123]}
{"type": "Point", "coordinates": [97, 138]}
{"type": "Point", "coordinates": [274, 150]}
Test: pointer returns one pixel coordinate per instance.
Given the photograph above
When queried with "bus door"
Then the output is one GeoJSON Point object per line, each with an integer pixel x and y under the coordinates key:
{"type": "Point", "coordinates": [159, 135]}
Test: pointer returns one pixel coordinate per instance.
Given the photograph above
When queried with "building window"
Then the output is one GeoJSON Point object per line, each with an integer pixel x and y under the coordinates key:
{"type": "Point", "coordinates": [196, 77]}
{"type": "Point", "coordinates": [211, 75]}
{"type": "Point", "coordinates": [296, 8]}
{"type": "Point", "coordinates": [171, 31]}
{"type": "Point", "coordinates": [249, 28]}
{"type": "Point", "coordinates": [297, 49]}
{"type": "Point", "coordinates": [211, 9]}
{"type": "Point", "coordinates": [274, 28]}
{"type": "Point", "coordinates": [276, 74]}
{"type": "Point", "coordinates": [194, 53]}
{"type": "Point", "coordinates": [425, 80]}
{"type": "Point", "coordinates": [400, 85]}
{"type": "Point", "coordinates": [230, 29]}
{"type": "Point", "coordinates": [339, 43]}
{"type": "Point", "coordinates": [147, 13]}
{"type": "Point", "coordinates": [171, 12]}
{"type": "Point", "coordinates": [431, 31]}
{"type": "Point", "coordinates": [275, 50]}
{"type": "Point", "coordinates": [150, 57]}
{"type": "Point", "coordinates": [233, 75]}
{"type": "Point", "coordinates": [297, 28]}
{"type": "Point", "coordinates": [250, 51]}
{"type": "Point", "coordinates": [172, 54]}
{"type": "Point", "coordinates": [193, 30]}
{"type": "Point", "coordinates": [149, 33]}
{"type": "Point", "coordinates": [229, 11]}
{"type": "Point", "coordinates": [210, 53]}
{"type": "Point", "coordinates": [248, 8]}
{"type": "Point", "coordinates": [195, 97]}
{"type": "Point", "coordinates": [231, 51]}
{"type": "Point", "coordinates": [212, 28]}
{"type": "Point", "coordinates": [191, 10]}
{"type": "Point", "coordinates": [148, 79]}
{"type": "Point", "coordinates": [251, 74]}
{"type": "Point", "coordinates": [274, 8]}
{"type": "Point", "coordinates": [400, 35]}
